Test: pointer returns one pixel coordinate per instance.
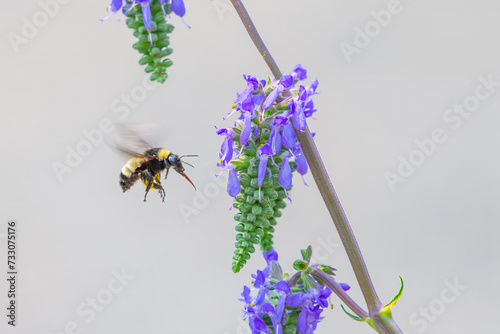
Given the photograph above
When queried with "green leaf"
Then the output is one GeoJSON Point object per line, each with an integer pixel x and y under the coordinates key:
{"type": "Point", "coordinates": [276, 272]}
{"type": "Point", "coordinates": [327, 269]}
{"type": "Point", "coordinates": [308, 281]}
{"type": "Point", "coordinates": [306, 254]}
{"type": "Point", "coordinates": [355, 317]}
{"type": "Point", "coordinates": [396, 298]}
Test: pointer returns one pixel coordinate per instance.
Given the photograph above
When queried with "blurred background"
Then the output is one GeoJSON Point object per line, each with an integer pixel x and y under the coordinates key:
{"type": "Point", "coordinates": [407, 125]}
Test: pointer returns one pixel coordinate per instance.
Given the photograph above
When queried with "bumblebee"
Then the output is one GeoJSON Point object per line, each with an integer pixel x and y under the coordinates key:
{"type": "Point", "coordinates": [148, 166]}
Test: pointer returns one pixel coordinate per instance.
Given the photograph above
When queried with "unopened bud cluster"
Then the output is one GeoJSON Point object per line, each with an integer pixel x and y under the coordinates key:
{"type": "Point", "coordinates": [154, 40]}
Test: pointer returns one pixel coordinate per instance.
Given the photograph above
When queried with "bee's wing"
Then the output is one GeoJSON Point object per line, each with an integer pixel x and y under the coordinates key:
{"type": "Point", "coordinates": [130, 143]}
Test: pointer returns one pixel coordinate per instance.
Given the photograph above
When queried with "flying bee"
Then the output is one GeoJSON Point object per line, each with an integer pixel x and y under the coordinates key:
{"type": "Point", "coordinates": [148, 166]}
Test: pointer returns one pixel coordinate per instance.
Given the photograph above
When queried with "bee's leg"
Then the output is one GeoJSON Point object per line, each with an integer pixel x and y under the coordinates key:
{"type": "Point", "coordinates": [148, 180]}
{"type": "Point", "coordinates": [159, 187]}
{"type": "Point", "coordinates": [166, 173]}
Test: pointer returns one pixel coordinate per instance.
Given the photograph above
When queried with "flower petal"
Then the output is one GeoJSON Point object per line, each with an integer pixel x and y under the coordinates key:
{"type": "Point", "coordinates": [289, 138]}
{"type": "Point", "coordinates": [300, 72]}
{"type": "Point", "coordinates": [178, 7]}
{"type": "Point", "coordinates": [285, 175]}
{"type": "Point", "coordinates": [301, 161]}
{"type": "Point", "coordinates": [233, 183]}
{"type": "Point", "coordinates": [116, 5]}
{"type": "Point", "coordinates": [247, 128]}
{"type": "Point", "coordinates": [272, 255]}
{"type": "Point", "coordinates": [273, 96]}
{"type": "Point", "coordinates": [296, 299]}
{"type": "Point", "coordinates": [299, 119]}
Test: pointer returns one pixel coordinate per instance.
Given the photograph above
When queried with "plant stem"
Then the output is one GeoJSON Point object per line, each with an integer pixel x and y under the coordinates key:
{"type": "Point", "coordinates": [323, 182]}
{"type": "Point", "coordinates": [337, 289]}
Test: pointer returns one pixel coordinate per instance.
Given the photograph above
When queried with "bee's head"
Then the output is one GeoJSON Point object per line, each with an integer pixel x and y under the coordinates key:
{"type": "Point", "coordinates": [175, 161]}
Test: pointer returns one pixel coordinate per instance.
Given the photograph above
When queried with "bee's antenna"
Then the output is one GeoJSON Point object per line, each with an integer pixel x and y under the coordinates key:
{"type": "Point", "coordinates": [188, 164]}
{"type": "Point", "coordinates": [188, 155]}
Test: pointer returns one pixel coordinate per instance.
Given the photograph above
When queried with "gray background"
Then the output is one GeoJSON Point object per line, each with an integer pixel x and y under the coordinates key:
{"type": "Point", "coordinates": [439, 227]}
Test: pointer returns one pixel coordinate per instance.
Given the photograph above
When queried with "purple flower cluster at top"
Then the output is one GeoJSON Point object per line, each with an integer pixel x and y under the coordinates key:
{"type": "Point", "coordinates": [177, 7]}
{"type": "Point", "coordinates": [284, 105]}
{"type": "Point", "coordinates": [275, 301]}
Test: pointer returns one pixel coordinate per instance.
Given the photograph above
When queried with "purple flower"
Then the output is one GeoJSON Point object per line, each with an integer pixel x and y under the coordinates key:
{"type": "Point", "coordinates": [116, 5]}
{"type": "Point", "coordinates": [146, 15]}
{"type": "Point", "coordinates": [264, 152]}
{"type": "Point", "coordinates": [178, 7]}
{"type": "Point", "coordinates": [275, 136]}
{"type": "Point", "coordinates": [296, 109]}
{"type": "Point", "coordinates": [300, 72]}
{"type": "Point", "coordinates": [253, 312]}
{"type": "Point", "coordinates": [312, 303]}
{"type": "Point", "coordinates": [288, 135]}
{"type": "Point", "coordinates": [301, 161]}
{"type": "Point", "coordinates": [285, 176]}
{"type": "Point", "coordinates": [247, 128]}
{"type": "Point", "coordinates": [275, 301]}
{"type": "Point", "coordinates": [270, 256]}
{"type": "Point", "coordinates": [252, 85]}
{"type": "Point", "coordinates": [233, 183]}
{"type": "Point", "coordinates": [226, 150]}
{"type": "Point", "coordinates": [286, 81]}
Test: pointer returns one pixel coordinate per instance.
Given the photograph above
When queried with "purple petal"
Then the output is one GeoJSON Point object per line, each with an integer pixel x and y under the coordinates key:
{"type": "Point", "coordinates": [300, 72]}
{"type": "Point", "coordinates": [257, 98]}
{"type": "Point", "coordinates": [299, 119]}
{"type": "Point", "coordinates": [275, 139]}
{"type": "Point", "coordinates": [252, 85]}
{"type": "Point", "coordinates": [246, 294]}
{"type": "Point", "coordinates": [233, 183]}
{"type": "Point", "coordinates": [289, 138]}
{"type": "Point", "coordinates": [272, 255]}
{"type": "Point", "coordinates": [285, 175]}
{"type": "Point", "coordinates": [260, 279]}
{"type": "Point", "coordinates": [247, 128]}
{"type": "Point", "coordinates": [301, 161]}
{"type": "Point", "coordinates": [259, 324]}
{"type": "Point", "coordinates": [268, 308]}
{"type": "Point", "coordinates": [178, 7]}
{"type": "Point", "coordinates": [146, 13]}
{"type": "Point", "coordinates": [345, 286]}
{"type": "Point", "coordinates": [273, 96]}
{"type": "Point", "coordinates": [296, 299]}
{"type": "Point", "coordinates": [116, 5]}
{"type": "Point", "coordinates": [265, 150]}
{"type": "Point", "coordinates": [262, 169]}
{"type": "Point", "coordinates": [260, 296]}
{"type": "Point", "coordinates": [303, 95]}
{"type": "Point", "coordinates": [309, 108]}
{"type": "Point", "coordinates": [286, 81]}
{"type": "Point", "coordinates": [226, 152]}
{"type": "Point", "coordinates": [302, 321]}
{"type": "Point", "coordinates": [314, 85]}
{"type": "Point", "coordinates": [283, 286]}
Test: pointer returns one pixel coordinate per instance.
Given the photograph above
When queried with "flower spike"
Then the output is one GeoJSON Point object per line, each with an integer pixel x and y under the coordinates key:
{"type": "Point", "coordinates": [257, 151]}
